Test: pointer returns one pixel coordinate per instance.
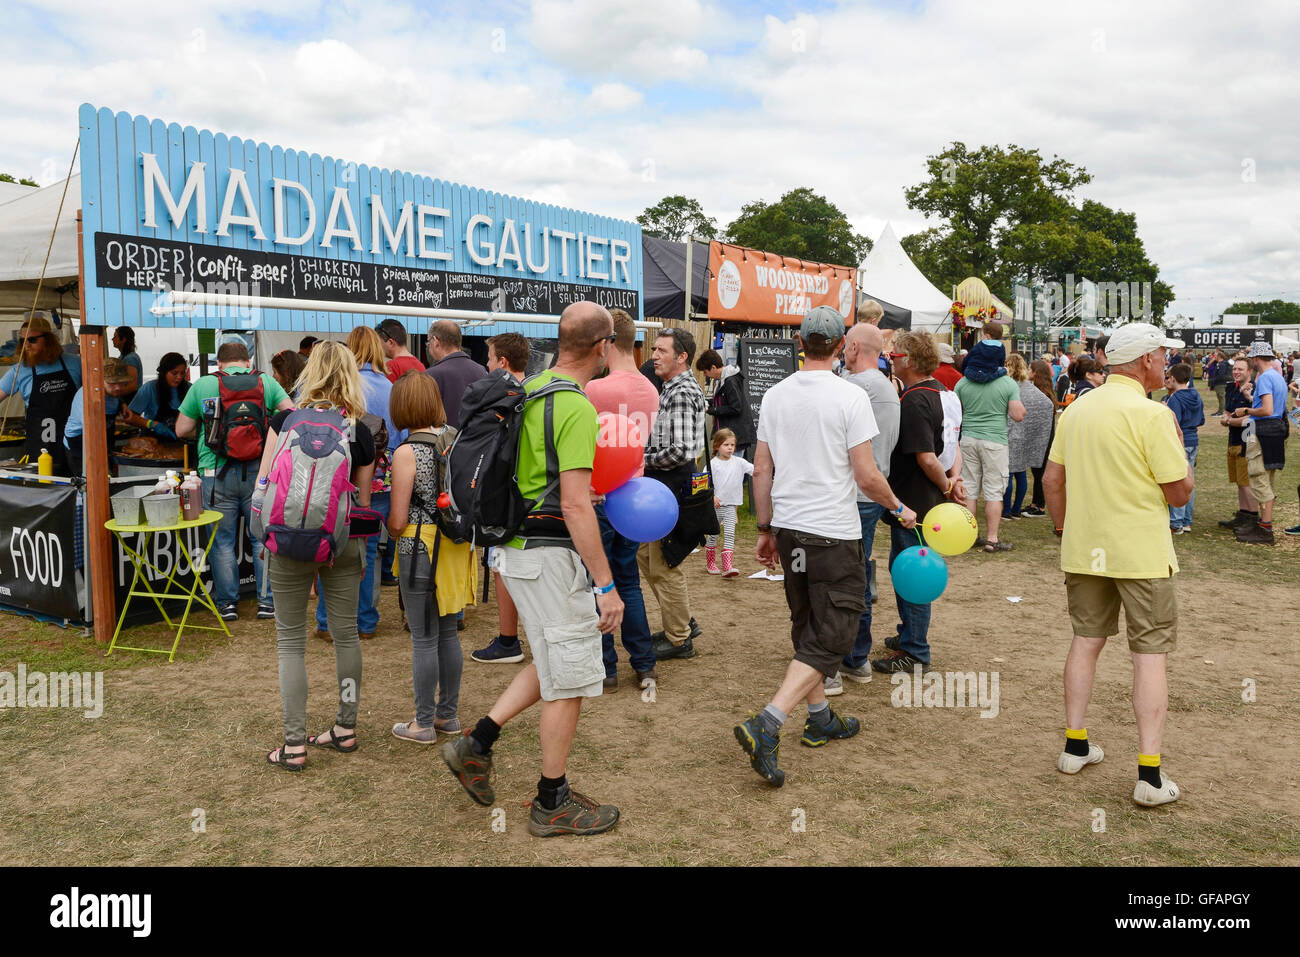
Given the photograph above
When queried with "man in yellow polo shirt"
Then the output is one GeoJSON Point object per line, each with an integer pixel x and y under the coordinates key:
{"type": "Point", "coordinates": [1115, 465]}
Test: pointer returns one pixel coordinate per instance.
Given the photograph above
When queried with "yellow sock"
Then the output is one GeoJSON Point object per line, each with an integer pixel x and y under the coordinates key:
{"type": "Point", "coordinates": [1149, 769]}
{"type": "Point", "coordinates": [1076, 742]}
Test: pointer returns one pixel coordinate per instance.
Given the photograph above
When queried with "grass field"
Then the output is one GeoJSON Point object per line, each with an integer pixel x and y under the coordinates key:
{"type": "Point", "coordinates": [182, 743]}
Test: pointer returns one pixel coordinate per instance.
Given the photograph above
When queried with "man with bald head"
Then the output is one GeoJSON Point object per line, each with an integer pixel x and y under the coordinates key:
{"type": "Point", "coordinates": [451, 367]}
{"type": "Point", "coordinates": [862, 345]}
{"type": "Point", "coordinates": [543, 569]}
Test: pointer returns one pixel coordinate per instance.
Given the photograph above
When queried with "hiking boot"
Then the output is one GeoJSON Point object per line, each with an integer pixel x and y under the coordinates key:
{"type": "Point", "coordinates": [1255, 535]}
{"type": "Point", "coordinates": [472, 769]}
{"type": "Point", "coordinates": [860, 674]}
{"type": "Point", "coordinates": [892, 642]}
{"type": "Point", "coordinates": [696, 631]}
{"type": "Point", "coordinates": [814, 735]}
{"type": "Point", "coordinates": [763, 749]}
{"type": "Point", "coordinates": [833, 686]}
{"type": "Point", "coordinates": [1236, 519]}
{"type": "Point", "coordinates": [665, 650]}
{"type": "Point", "coordinates": [1148, 796]}
{"type": "Point", "coordinates": [645, 679]}
{"type": "Point", "coordinates": [576, 814]}
{"type": "Point", "coordinates": [498, 652]}
{"type": "Point", "coordinates": [899, 661]}
{"type": "Point", "coordinates": [1074, 763]}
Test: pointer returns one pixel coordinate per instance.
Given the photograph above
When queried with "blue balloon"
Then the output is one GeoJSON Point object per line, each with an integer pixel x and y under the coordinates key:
{"type": "Point", "coordinates": [919, 574]}
{"type": "Point", "coordinates": [642, 509]}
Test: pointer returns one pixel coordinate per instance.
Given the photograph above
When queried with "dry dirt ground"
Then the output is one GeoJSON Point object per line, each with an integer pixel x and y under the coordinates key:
{"type": "Point", "coordinates": [917, 786]}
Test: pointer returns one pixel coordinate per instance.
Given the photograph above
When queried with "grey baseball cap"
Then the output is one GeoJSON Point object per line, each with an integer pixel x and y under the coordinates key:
{"type": "Point", "coordinates": [1260, 348]}
{"type": "Point", "coordinates": [825, 321]}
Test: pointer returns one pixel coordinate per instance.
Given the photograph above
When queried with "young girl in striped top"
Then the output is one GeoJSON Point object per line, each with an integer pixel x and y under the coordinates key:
{"type": "Point", "coordinates": [729, 471]}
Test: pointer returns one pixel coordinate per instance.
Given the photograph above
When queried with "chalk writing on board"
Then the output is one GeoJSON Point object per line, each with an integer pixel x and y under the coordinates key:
{"type": "Point", "coordinates": [764, 362]}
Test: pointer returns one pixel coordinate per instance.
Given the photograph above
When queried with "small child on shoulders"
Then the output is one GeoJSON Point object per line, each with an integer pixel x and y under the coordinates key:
{"type": "Point", "coordinates": [987, 359]}
{"type": "Point", "coordinates": [729, 471]}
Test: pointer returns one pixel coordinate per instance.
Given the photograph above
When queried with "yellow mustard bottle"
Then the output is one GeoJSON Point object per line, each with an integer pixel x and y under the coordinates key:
{"type": "Point", "coordinates": [45, 465]}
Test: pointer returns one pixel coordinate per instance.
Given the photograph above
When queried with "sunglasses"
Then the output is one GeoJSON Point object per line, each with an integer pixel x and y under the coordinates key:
{"type": "Point", "coordinates": [609, 338]}
{"type": "Point", "coordinates": [36, 338]}
{"type": "Point", "coordinates": [898, 355]}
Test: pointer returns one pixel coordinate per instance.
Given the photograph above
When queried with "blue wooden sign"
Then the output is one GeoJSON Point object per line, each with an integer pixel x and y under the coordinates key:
{"type": "Point", "coordinates": [169, 208]}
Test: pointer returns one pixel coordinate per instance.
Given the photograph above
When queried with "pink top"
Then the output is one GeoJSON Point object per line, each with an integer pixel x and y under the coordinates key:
{"type": "Point", "coordinates": [629, 394]}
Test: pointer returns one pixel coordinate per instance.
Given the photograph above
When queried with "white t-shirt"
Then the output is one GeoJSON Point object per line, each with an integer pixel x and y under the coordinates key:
{"type": "Point", "coordinates": [885, 407]}
{"type": "Point", "coordinates": [809, 422]}
{"type": "Point", "coordinates": [729, 478]}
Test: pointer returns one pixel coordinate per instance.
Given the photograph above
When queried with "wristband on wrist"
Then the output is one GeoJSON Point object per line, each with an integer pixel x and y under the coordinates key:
{"type": "Point", "coordinates": [899, 511]}
{"type": "Point", "coordinates": [603, 590]}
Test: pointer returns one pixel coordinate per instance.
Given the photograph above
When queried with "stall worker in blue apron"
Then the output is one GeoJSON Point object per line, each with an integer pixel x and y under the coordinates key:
{"type": "Point", "coordinates": [118, 382]}
{"type": "Point", "coordinates": [158, 401]}
{"type": "Point", "coordinates": [47, 381]}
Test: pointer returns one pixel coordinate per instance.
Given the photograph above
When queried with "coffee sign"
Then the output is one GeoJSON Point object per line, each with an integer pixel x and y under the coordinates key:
{"type": "Point", "coordinates": [1230, 338]}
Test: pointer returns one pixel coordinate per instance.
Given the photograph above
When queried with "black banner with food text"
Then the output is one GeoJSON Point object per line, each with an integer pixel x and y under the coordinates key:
{"type": "Point", "coordinates": [37, 549]}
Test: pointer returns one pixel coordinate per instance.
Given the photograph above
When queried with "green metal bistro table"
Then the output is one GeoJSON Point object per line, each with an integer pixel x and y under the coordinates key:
{"type": "Point", "coordinates": [197, 592]}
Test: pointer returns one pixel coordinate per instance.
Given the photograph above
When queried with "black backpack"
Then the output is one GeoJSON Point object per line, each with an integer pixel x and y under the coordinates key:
{"type": "Point", "coordinates": [486, 506]}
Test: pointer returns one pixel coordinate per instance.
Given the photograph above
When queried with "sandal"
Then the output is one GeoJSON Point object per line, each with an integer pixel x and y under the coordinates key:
{"type": "Point", "coordinates": [282, 758]}
{"type": "Point", "coordinates": [333, 742]}
{"type": "Point", "coordinates": [991, 547]}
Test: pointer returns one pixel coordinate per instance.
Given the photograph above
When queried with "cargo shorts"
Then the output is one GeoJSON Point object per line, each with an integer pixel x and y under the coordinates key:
{"type": "Point", "coordinates": [1150, 610]}
{"type": "Point", "coordinates": [552, 591]}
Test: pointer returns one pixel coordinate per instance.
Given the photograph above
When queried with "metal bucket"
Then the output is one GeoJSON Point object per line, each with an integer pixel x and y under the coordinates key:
{"type": "Point", "coordinates": [128, 507]}
{"type": "Point", "coordinates": [162, 510]}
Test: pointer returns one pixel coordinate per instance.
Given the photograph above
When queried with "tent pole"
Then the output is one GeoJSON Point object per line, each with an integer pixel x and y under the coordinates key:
{"type": "Point", "coordinates": [99, 552]}
{"type": "Point", "coordinates": [690, 255]}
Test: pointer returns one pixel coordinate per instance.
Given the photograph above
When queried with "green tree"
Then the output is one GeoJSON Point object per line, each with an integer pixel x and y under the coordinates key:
{"type": "Point", "coordinates": [675, 218]}
{"type": "Point", "coordinates": [8, 178]}
{"type": "Point", "coordinates": [1267, 313]}
{"type": "Point", "coordinates": [1008, 214]}
{"type": "Point", "coordinates": [800, 224]}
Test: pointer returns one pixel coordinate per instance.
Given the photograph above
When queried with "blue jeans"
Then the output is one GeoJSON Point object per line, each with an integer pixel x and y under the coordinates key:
{"type": "Point", "coordinates": [367, 609]}
{"type": "Point", "coordinates": [914, 620]}
{"type": "Point", "coordinates": [232, 496]}
{"type": "Point", "coordinates": [868, 514]}
{"type": "Point", "coordinates": [1020, 482]}
{"type": "Point", "coordinates": [621, 553]}
{"type": "Point", "coordinates": [1182, 516]}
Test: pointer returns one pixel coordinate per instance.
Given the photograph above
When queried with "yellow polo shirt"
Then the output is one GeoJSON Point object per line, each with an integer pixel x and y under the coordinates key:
{"type": "Point", "coordinates": [1117, 446]}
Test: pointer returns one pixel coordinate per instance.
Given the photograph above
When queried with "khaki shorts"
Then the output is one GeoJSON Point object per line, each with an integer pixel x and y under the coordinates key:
{"type": "Point", "coordinates": [1261, 479]}
{"type": "Point", "coordinates": [1237, 473]}
{"type": "Point", "coordinates": [1150, 610]}
{"type": "Point", "coordinates": [985, 468]}
{"type": "Point", "coordinates": [552, 591]}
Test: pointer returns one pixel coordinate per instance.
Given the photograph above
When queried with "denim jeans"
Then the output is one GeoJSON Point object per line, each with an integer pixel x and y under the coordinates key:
{"type": "Point", "coordinates": [232, 496]}
{"type": "Point", "coordinates": [367, 606]}
{"type": "Point", "coordinates": [914, 620]}
{"type": "Point", "coordinates": [621, 553]}
{"type": "Point", "coordinates": [868, 514]}
{"type": "Point", "coordinates": [1010, 505]}
{"type": "Point", "coordinates": [1182, 515]}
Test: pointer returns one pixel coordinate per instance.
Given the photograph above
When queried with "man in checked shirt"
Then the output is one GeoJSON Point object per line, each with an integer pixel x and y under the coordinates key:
{"type": "Point", "coordinates": [676, 438]}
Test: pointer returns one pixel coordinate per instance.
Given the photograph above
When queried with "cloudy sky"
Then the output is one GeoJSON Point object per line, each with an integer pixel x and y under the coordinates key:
{"type": "Point", "coordinates": [1184, 113]}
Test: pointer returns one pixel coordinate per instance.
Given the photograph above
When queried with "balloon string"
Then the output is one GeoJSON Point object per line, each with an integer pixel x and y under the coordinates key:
{"type": "Point", "coordinates": [919, 539]}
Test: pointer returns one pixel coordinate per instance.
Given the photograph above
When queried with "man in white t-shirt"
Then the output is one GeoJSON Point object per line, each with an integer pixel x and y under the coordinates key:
{"type": "Point", "coordinates": [862, 346]}
{"type": "Point", "coordinates": [814, 453]}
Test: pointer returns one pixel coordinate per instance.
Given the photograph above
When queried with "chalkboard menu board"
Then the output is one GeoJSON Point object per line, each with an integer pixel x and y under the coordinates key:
{"type": "Point", "coordinates": [143, 264]}
{"type": "Point", "coordinates": [764, 363]}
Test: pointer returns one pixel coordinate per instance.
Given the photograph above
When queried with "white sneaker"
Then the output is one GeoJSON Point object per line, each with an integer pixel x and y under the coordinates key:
{"type": "Point", "coordinates": [1148, 796]}
{"type": "Point", "coordinates": [861, 675]}
{"type": "Point", "coordinates": [1074, 763]}
{"type": "Point", "coordinates": [833, 686]}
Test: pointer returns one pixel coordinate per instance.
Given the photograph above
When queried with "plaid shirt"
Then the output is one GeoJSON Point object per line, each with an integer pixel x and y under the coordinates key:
{"type": "Point", "coordinates": [677, 436]}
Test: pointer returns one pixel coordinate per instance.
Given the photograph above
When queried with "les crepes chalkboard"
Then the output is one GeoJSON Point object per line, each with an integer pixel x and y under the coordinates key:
{"type": "Point", "coordinates": [144, 264]}
{"type": "Point", "coordinates": [764, 363]}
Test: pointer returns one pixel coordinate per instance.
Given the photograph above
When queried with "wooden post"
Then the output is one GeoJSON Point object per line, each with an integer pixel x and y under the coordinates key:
{"type": "Point", "coordinates": [99, 551]}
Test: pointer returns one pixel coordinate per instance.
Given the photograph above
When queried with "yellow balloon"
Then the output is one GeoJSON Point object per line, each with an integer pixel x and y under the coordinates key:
{"type": "Point", "coordinates": [949, 529]}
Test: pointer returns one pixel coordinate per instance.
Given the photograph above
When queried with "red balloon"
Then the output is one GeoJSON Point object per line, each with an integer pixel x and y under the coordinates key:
{"type": "Point", "coordinates": [620, 452]}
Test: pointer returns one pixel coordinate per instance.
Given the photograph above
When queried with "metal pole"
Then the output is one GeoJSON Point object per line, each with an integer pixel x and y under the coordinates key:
{"type": "Point", "coordinates": [690, 274]}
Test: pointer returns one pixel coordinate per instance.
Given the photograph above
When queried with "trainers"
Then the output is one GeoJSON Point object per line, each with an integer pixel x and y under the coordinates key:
{"type": "Point", "coordinates": [265, 611]}
{"type": "Point", "coordinates": [1074, 763]}
{"type": "Point", "coordinates": [833, 686]}
{"type": "Point", "coordinates": [472, 769]}
{"type": "Point", "coordinates": [899, 661]}
{"type": "Point", "coordinates": [666, 650]}
{"type": "Point", "coordinates": [814, 735]}
{"type": "Point", "coordinates": [1034, 511]}
{"type": "Point", "coordinates": [1178, 529]}
{"type": "Point", "coordinates": [696, 631]}
{"type": "Point", "coordinates": [860, 674]}
{"type": "Point", "coordinates": [229, 612]}
{"type": "Point", "coordinates": [893, 642]}
{"type": "Point", "coordinates": [498, 652]}
{"type": "Point", "coordinates": [1148, 796]}
{"type": "Point", "coordinates": [447, 725]}
{"type": "Point", "coordinates": [576, 814]}
{"type": "Point", "coordinates": [763, 749]}
{"type": "Point", "coordinates": [410, 731]}
{"type": "Point", "coordinates": [1258, 535]}
{"type": "Point", "coordinates": [1293, 530]}
{"type": "Point", "coordinates": [610, 684]}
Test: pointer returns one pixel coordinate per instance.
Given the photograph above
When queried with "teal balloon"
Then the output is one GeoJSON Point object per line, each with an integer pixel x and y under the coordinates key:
{"type": "Point", "coordinates": [642, 509]}
{"type": "Point", "coordinates": [919, 574]}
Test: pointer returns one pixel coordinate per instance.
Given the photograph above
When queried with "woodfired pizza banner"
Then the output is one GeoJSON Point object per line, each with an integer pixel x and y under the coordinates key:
{"type": "Point", "coordinates": [749, 285]}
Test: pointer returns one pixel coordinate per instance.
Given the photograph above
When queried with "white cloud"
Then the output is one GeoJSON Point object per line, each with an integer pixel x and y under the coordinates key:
{"type": "Point", "coordinates": [632, 38]}
{"type": "Point", "coordinates": [614, 98]}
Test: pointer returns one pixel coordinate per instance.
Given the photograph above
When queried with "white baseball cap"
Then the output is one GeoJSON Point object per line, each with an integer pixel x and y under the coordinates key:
{"type": "Point", "coordinates": [1133, 340]}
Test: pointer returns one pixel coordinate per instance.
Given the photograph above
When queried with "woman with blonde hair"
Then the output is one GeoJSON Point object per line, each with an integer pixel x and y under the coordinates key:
{"type": "Point", "coordinates": [436, 576]}
{"type": "Point", "coordinates": [47, 382]}
{"type": "Point", "coordinates": [330, 381]}
{"type": "Point", "coordinates": [1027, 439]}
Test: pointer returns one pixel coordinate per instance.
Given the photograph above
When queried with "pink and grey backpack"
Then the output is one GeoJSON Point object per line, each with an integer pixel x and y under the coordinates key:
{"type": "Point", "coordinates": [306, 512]}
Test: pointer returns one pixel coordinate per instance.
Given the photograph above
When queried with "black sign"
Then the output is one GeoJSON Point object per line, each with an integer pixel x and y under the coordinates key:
{"type": "Point", "coordinates": [145, 264]}
{"type": "Point", "coordinates": [1230, 338]}
{"type": "Point", "coordinates": [765, 362]}
{"type": "Point", "coordinates": [37, 549]}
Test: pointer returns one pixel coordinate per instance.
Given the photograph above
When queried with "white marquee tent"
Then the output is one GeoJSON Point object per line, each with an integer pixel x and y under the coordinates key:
{"type": "Point", "coordinates": [890, 277]}
{"type": "Point", "coordinates": [26, 217]}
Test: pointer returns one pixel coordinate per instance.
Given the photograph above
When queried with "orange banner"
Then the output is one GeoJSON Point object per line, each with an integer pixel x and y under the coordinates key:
{"type": "Point", "coordinates": [749, 285]}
